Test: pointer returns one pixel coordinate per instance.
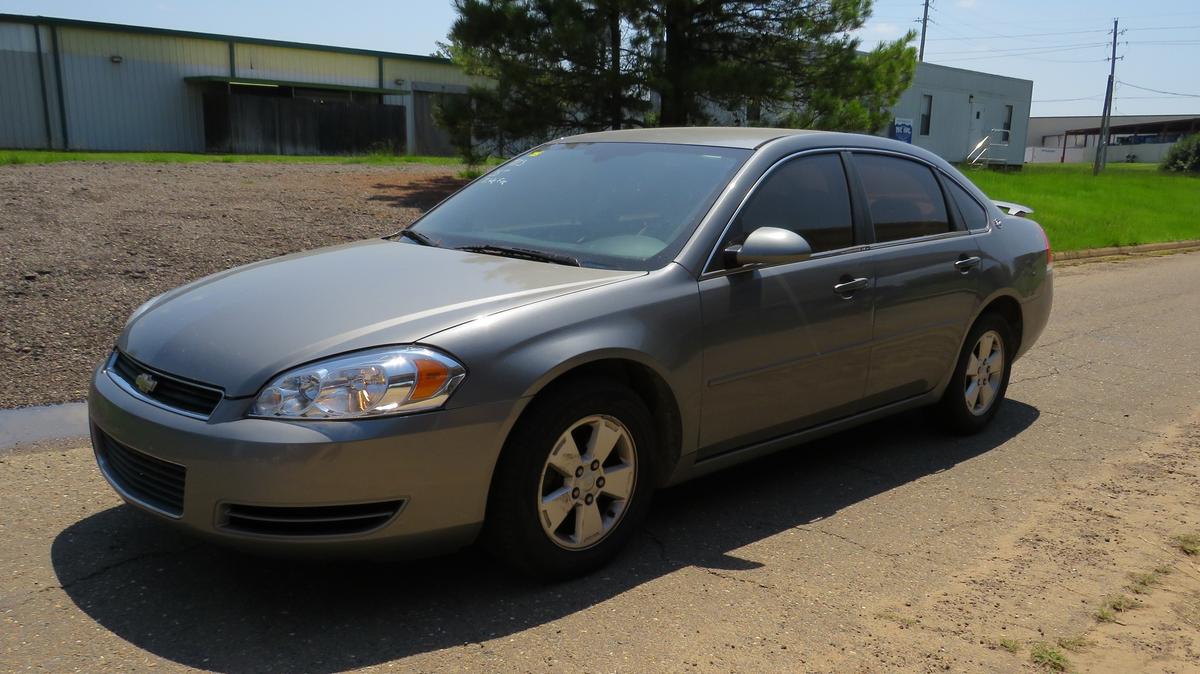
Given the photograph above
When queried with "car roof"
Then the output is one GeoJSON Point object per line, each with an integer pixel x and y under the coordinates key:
{"type": "Point", "coordinates": [717, 136]}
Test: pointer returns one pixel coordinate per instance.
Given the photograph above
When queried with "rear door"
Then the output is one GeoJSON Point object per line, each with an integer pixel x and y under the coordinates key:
{"type": "Point", "coordinates": [783, 349]}
{"type": "Point", "coordinates": [926, 276]}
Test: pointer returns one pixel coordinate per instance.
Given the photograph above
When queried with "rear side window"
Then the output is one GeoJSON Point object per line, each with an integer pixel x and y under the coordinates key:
{"type": "Point", "coordinates": [974, 215]}
{"type": "Point", "coordinates": [903, 196]}
{"type": "Point", "coordinates": [807, 195]}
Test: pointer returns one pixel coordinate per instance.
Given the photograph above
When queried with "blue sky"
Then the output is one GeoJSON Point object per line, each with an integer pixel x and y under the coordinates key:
{"type": "Point", "coordinates": [1059, 44]}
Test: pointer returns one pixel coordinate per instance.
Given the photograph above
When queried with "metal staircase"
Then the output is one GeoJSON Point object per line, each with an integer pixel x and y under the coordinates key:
{"type": "Point", "coordinates": [981, 154]}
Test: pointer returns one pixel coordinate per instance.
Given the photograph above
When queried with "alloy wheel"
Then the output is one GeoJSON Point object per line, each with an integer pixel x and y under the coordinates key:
{"type": "Point", "coordinates": [984, 373]}
{"type": "Point", "coordinates": [587, 482]}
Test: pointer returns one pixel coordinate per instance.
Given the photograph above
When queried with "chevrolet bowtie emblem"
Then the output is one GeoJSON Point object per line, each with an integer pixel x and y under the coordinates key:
{"type": "Point", "coordinates": [145, 382]}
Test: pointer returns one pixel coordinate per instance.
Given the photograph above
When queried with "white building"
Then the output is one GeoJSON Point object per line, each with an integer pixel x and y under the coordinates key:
{"type": "Point", "coordinates": [1140, 138]}
{"type": "Point", "coordinates": [955, 113]}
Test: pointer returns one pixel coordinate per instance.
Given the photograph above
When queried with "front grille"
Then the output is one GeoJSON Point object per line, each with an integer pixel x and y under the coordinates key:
{"type": "Point", "coordinates": [169, 391]}
{"type": "Point", "coordinates": [152, 481]}
{"type": "Point", "coordinates": [337, 520]}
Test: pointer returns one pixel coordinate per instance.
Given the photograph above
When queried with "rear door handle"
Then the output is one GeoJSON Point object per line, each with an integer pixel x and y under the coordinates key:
{"type": "Point", "coordinates": [850, 286]}
{"type": "Point", "coordinates": [966, 264]}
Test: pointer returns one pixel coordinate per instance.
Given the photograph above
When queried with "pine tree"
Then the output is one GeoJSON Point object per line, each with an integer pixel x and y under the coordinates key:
{"type": "Point", "coordinates": [564, 66]}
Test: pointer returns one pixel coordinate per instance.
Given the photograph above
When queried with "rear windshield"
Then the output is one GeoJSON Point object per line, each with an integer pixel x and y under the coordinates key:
{"type": "Point", "coordinates": [615, 205]}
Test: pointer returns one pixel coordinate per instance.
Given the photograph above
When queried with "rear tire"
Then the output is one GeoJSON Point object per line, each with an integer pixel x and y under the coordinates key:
{"type": "Point", "coordinates": [574, 480]}
{"type": "Point", "coordinates": [980, 380]}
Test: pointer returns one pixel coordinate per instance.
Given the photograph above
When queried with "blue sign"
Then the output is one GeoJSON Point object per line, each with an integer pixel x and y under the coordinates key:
{"type": "Point", "coordinates": [902, 129]}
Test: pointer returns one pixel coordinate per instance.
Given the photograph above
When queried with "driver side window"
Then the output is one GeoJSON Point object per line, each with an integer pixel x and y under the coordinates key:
{"type": "Point", "coordinates": [808, 195]}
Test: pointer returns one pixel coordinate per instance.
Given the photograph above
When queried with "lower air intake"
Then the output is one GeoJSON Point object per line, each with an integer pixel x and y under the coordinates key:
{"type": "Point", "coordinates": [340, 520]}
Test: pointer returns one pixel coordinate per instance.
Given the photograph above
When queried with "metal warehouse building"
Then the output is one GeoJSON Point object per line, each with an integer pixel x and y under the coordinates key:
{"type": "Point", "coordinates": [81, 85]}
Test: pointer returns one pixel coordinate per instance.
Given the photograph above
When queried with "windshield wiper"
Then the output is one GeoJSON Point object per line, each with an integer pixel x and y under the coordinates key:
{"type": "Point", "coordinates": [523, 254]}
{"type": "Point", "coordinates": [418, 237]}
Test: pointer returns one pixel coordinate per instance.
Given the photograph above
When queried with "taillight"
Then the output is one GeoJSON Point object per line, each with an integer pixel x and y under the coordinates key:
{"type": "Point", "coordinates": [1049, 252]}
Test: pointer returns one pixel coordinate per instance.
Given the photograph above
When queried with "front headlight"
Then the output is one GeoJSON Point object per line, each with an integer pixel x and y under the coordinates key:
{"type": "Point", "coordinates": [379, 382]}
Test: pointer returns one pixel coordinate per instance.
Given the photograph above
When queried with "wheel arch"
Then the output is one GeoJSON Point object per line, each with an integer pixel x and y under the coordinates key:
{"type": "Point", "coordinates": [643, 377]}
{"type": "Point", "coordinates": [1008, 307]}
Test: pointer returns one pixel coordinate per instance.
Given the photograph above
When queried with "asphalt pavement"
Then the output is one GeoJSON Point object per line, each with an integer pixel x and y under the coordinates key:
{"type": "Point", "coordinates": [804, 561]}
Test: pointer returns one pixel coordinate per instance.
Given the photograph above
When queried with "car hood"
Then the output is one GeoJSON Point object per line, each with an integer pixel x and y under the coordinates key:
{"type": "Point", "coordinates": [238, 328]}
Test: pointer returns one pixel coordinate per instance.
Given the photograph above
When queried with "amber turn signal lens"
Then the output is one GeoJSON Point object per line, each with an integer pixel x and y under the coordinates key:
{"type": "Point", "coordinates": [431, 377]}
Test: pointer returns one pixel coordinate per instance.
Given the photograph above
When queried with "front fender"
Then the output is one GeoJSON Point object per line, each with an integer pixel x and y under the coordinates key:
{"type": "Point", "coordinates": [652, 320]}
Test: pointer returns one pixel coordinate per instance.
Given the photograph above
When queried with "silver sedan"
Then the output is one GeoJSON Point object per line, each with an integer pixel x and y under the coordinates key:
{"type": "Point", "coordinates": [599, 317]}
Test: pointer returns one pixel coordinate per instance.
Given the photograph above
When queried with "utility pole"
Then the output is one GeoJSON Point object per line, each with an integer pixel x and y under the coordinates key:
{"type": "Point", "coordinates": [1102, 141]}
{"type": "Point", "coordinates": [924, 24]}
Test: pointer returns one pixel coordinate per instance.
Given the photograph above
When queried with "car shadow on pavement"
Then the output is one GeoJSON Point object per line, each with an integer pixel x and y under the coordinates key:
{"type": "Point", "coordinates": [207, 607]}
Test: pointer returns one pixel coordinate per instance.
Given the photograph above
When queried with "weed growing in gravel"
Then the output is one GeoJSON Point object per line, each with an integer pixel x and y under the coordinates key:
{"type": "Point", "coordinates": [1073, 644]}
{"type": "Point", "coordinates": [1189, 543]}
{"type": "Point", "coordinates": [1010, 645]}
{"type": "Point", "coordinates": [1112, 605]}
{"type": "Point", "coordinates": [1044, 655]}
{"type": "Point", "coordinates": [1143, 582]}
{"type": "Point", "coordinates": [891, 615]}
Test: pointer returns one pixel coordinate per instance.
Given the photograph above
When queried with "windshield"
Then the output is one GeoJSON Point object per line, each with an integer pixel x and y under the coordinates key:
{"type": "Point", "coordinates": [616, 205]}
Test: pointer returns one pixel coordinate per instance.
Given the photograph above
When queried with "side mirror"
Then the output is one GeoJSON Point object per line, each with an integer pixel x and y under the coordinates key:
{"type": "Point", "coordinates": [769, 245]}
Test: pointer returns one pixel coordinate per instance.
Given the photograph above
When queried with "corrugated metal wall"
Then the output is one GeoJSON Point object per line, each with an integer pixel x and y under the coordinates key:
{"type": "Point", "coordinates": [418, 71]}
{"type": "Point", "coordinates": [300, 65]}
{"type": "Point", "coordinates": [22, 111]}
{"type": "Point", "coordinates": [125, 90]}
{"type": "Point", "coordinates": [142, 102]}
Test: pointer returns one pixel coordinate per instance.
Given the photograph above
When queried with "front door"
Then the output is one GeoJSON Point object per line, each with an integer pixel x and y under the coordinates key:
{"type": "Point", "coordinates": [783, 349]}
{"type": "Point", "coordinates": [975, 128]}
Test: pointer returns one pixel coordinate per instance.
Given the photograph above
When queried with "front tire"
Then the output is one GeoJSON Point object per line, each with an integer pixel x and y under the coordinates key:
{"type": "Point", "coordinates": [574, 480]}
{"type": "Point", "coordinates": [980, 378]}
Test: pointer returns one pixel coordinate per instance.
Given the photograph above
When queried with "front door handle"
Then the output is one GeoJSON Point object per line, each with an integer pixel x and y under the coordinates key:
{"type": "Point", "coordinates": [966, 264]}
{"type": "Point", "coordinates": [851, 285]}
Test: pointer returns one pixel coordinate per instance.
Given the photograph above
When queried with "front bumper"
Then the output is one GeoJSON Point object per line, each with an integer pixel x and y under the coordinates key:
{"type": "Point", "coordinates": [433, 469]}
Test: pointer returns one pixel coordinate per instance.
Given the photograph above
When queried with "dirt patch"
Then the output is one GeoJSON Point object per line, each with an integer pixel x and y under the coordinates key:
{"type": "Point", "coordinates": [86, 243]}
{"type": "Point", "coordinates": [1092, 581]}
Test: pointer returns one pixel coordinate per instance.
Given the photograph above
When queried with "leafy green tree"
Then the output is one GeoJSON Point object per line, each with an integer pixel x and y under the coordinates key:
{"type": "Point", "coordinates": [563, 66]}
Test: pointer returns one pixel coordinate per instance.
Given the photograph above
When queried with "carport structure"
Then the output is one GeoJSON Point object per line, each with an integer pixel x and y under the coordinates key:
{"type": "Point", "coordinates": [1146, 141]}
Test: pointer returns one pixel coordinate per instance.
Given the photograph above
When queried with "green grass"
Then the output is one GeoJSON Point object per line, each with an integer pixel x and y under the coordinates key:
{"type": "Point", "coordinates": [11, 157]}
{"type": "Point", "coordinates": [1048, 657]}
{"type": "Point", "coordinates": [1125, 205]}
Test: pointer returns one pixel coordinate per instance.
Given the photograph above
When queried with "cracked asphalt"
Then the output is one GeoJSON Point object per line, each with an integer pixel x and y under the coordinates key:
{"type": "Point", "coordinates": [787, 563]}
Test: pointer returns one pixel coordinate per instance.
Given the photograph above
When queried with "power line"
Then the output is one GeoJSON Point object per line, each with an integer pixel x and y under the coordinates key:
{"type": "Point", "coordinates": [1005, 37]}
{"type": "Point", "coordinates": [1062, 100]}
{"type": "Point", "coordinates": [1165, 28]}
{"type": "Point", "coordinates": [1158, 91]}
{"type": "Point", "coordinates": [981, 55]}
{"type": "Point", "coordinates": [1029, 50]}
{"type": "Point", "coordinates": [1163, 42]}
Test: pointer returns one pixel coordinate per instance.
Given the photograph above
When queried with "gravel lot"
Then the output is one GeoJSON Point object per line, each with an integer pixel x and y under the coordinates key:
{"type": "Point", "coordinates": [86, 243]}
